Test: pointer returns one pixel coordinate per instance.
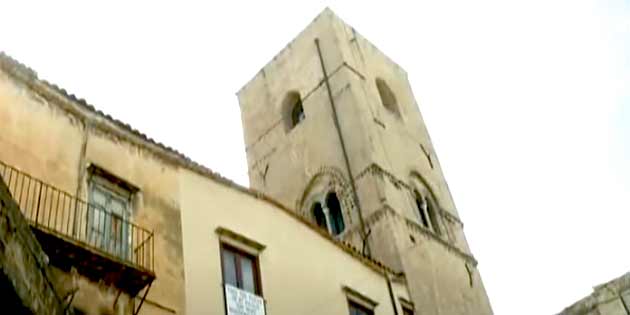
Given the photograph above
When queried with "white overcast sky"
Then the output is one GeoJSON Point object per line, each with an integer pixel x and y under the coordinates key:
{"type": "Point", "coordinates": [527, 103]}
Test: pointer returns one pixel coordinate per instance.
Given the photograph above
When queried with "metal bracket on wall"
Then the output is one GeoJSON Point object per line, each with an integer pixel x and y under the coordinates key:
{"type": "Point", "coordinates": [144, 296]}
{"type": "Point", "coordinates": [68, 298]}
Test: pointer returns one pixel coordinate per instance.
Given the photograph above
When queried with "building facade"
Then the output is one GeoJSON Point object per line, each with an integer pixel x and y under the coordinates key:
{"type": "Point", "coordinates": [348, 212]}
{"type": "Point", "coordinates": [610, 298]}
{"type": "Point", "coordinates": [333, 131]}
{"type": "Point", "coordinates": [87, 183]}
{"type": "Point", "coordinates": [297, 269]}
{"type": "Point", "coordinates": [96, 192]}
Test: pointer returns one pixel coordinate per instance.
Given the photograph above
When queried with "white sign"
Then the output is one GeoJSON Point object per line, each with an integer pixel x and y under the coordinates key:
{"type": "Point", "coordinates": [241, 302]}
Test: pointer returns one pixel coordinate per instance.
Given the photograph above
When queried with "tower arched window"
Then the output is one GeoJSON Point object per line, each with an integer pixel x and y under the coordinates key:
{"type": "Point", "coordinates": [320, 216]}
{"type": "Point", "coordinates": [297, 115]}
{"type": "Point", "coordinates": [421, 207]}
{"type": "Point", "coordinates": [336, 216]}
{"type": "Point", "coordinates": [293, 110]}
{"type": "Point", "coordinates": [328, 214]}
{"type": "Point", "coordinates": [427, 213]}
{"type": "Point", "coordinates": [388, 98]}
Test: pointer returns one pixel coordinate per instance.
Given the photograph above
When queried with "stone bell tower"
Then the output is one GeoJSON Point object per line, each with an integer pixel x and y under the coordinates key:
{"type": "Point", "coordinates": [332, 130]}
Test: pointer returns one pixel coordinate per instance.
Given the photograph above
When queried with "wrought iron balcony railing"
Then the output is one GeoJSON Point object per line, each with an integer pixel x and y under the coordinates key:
{"type": "Point", "coordinates": [56, 212]}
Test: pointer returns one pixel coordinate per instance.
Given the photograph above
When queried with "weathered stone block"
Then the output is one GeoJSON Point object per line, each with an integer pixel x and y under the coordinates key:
{"type": "Point", "coordinates": [24, 271]}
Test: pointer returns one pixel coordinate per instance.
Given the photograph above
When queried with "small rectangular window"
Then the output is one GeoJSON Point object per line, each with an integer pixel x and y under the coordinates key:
{"type": "Point", "coordinates": [357, 309]}
{"type": "Point", "coordinates": [407, 306]}
{"type": "Point", "coordinates": [229, 268]}
{"type": "Point", "coordinates": [240, 269]}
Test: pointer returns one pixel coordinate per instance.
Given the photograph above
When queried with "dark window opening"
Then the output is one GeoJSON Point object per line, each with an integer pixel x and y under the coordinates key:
{"type": "Point", "coordinates": [240, 269]}
{"type": "Point", "coordinates": [297, 113]}
{"type": "Point", "coordinates": [387, 96]}
{"type": "Point", "coordinates": [109, 216]}
{"type": "Point", "coordinates": [320, 216]}
{"type": "Point", "coordinates": [421, 207]}
{"type": "Point", "coordinates": [357, 309]}
{"type": "Point", "coordinates": [292, 110]}
{"type": "Point", "coordinates": [336, 215]}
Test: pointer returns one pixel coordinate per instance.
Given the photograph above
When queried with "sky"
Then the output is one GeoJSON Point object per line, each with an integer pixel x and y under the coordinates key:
{"type": "Point", "coordinates": [527, 104]}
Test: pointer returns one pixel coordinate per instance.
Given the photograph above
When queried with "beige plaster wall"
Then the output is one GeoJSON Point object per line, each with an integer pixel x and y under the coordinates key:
{"type": "Point", "coordinates": [39, 136]}
{"type": "Point", "coordinates": [40, 151]}
{"type": "Point", "coordinates": [302, 271]}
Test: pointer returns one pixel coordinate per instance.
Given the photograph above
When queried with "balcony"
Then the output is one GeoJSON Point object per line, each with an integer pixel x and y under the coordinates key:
{"type": "Point", "coordinates": [100, 244]}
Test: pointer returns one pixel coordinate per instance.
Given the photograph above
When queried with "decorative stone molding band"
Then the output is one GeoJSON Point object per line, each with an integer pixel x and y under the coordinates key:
{"type": "Point", "coordinates": [375, 169]}
{"type": "Point", "coordinates": [386, 210]}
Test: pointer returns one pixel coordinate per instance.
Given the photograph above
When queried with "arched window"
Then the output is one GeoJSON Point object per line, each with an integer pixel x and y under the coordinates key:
{"type": "Point", "coordinates": [327, 213]}
{"type": "Point", "coordinates": [293, 110]}
{"type": "Point", "coordinates": [297, 115]}
{"type": "Point", "coordinates": [336, 215]}
{"type": "Point", "coordinates": [387, 97]}
{"type": "Point", "coordinates": [427, 213]}
{"type": "Point", "coordinates": [421, 206]}
{"type": "Point", "coordinates": [320, 216]}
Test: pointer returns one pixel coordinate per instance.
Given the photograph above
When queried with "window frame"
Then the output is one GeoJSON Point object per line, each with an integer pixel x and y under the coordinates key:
{"type": "Point", "coordinates": [332, 220]}
{"type": "Point", "coordinates": [387, 97]}
{"type": "Point", "coordinates": [224, 246]}
{"type": "Point", "coordinates": [427, 210]}
{"type": "Point", "coordinates": [321, 220]}
{"type": "Point", "coordinates": [336, 220]}
{"type": "Point", "coordinates": [421, 205]}
{"type": "Point", "coordinates": [406, 306]}
{"type": "Point", "coordinates": [359, 301]}
{"type": "Point", "coordinates": [421, 208]}
{"type": "Point", "coordinates": [101, 182]}
{"type": "Point", "coordinates": [358, 306]}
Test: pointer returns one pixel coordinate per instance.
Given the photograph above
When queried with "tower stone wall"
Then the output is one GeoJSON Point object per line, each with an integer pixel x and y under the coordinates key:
{"type": "Point", "coordinates": [362, 137]}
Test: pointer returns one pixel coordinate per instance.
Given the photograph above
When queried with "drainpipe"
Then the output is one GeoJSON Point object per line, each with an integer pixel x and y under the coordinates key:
{"type": "Point", "coordinates": [366, 245]}
{"type": "Point", "coordinates": [625, 307]}
{"type": "Point", "coordinates": [391, 292]}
